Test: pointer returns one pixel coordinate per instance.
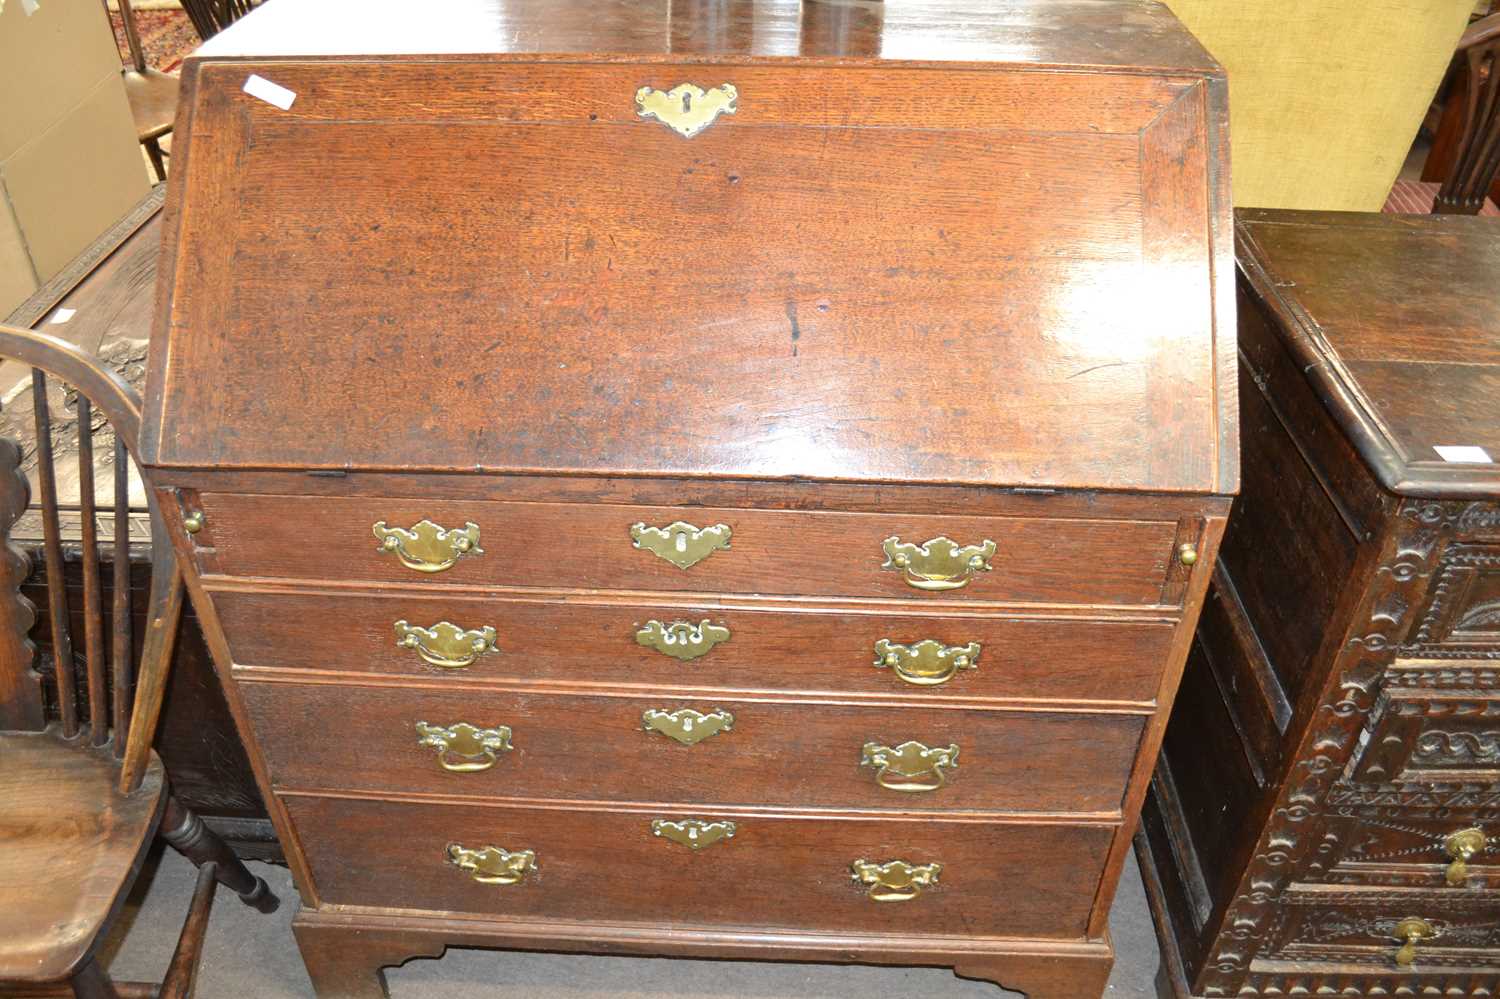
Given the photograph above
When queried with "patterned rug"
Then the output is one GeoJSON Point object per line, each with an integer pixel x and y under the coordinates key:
{"type": "Point", "coordinates": [166, 35]}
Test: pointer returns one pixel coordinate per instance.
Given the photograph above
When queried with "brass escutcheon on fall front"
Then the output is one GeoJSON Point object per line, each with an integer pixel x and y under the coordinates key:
{"type": "Point", "coordinates": [679, 542]}
{"type": "Point", "coordinates": [1462, 846]}
{"type": "Point", "coordinates": [686, 109]}
{"type": "Point", "coordinates": [927, 663]}
{"type": "Point", "coordinates": [428, 547]}
{"type": "Point", "coordinates": [1411, 930]}
{"type": "Point", "coordinates": [695, 834]}
{"type": "Point", "coordinates": [939, 564]}
{"type": "Point", "coordinates": [896, 880]}
{"type": "Point", "coordinates": [464, 748]}
{"type": "Point", "coordinates": [911, 766]}
{"type": "Point", "coordinates": [491, 865]}
{"type": "Point", "coordinates": [687, 726]}
{"type": "Point", "coordinates": [445, 644]}
{"type": "Point", "coordinates": [682, 639]}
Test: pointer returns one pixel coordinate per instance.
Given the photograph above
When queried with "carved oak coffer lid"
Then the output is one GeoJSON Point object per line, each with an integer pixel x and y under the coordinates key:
{"type": "Point", "coordinates": [1395, 320]}
{"type": "Point", "coordinates": [916, 242]}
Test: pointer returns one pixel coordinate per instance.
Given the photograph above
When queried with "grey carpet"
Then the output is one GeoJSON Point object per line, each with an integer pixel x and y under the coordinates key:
{"type": "Point", "coordinates": [251, 955]}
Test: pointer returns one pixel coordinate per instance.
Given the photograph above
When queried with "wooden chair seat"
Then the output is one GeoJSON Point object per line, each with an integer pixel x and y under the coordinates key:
{"type": "Point", "coordinates": [70, 846]}
{"type": "Point", "coordinates": [153, 101]}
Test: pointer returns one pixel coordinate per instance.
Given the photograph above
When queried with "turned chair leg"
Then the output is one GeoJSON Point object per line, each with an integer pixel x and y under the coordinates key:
{"type": "Point", "coordinates": [90, 982]}
{"type": "Point", "coordinates": [190, 837]}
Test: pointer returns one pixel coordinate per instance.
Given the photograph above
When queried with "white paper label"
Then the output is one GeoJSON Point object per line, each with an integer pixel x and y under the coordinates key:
{"type": "Point", "coordinates": [272, 93]}
{"type": "Point", "coordinates": [30, 6]}
{"type": "Point", "coordinates": [63, 315]}
{"type": "Point", "coordinates": [1463, 454]}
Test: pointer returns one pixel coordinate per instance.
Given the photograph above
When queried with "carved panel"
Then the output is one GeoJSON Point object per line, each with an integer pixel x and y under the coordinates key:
{"type": "Point", "coordinates": [1392, 848]}
{"type": "Point", "coordinates": [1462, 615]}
{"type": "Point", "coordinates": [1429, 740]}
{"type": "Point", "coordinates": [1359, 927]}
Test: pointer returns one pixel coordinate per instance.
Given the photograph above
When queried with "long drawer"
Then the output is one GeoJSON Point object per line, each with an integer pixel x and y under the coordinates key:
{"type": "Point", "coordinates": [774, 871]}
{"type": "Point", "coordinates": [590, 546]}
{"type": "Point", "coordinates": [803, 753]}
{"type": "Point", "coordinates": [703, 644]}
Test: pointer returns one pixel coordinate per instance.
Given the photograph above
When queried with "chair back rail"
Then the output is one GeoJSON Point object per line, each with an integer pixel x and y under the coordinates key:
{"type": "Point", "coordinates": [1478, 163]}
{"type": "Point", "coordinates": [122, 710]}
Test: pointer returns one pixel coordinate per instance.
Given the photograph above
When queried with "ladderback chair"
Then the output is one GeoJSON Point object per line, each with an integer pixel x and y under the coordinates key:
{"type": "Point", "coordinates": [82, 793]}
{"type": "Point", "coordinates": [209, 17]}
{"type": "Point", "coordinates": [1465, 189]}
{"type": "Point", "coordinates": [152, 94]}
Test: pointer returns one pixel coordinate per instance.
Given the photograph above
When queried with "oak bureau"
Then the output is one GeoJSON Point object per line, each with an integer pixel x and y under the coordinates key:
{"type": "Point", "coordinates": [731, 479]}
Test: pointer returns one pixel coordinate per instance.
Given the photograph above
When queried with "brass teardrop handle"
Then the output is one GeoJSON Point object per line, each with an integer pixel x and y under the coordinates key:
{"type": "Point", "coordinates": [896, 880]}
{"type": "Point", "coordinates": [1462, 846]}
{"type": "Point", "coordinates": [491, 865]}
{"type": "Point", "coordinates": [911, 766]}
{"type": "Point", "coordinates": [465, 748]}
{"type": "Point", "coordinates": [939, 564]}
{"type": "Point", "coordinates": [1411, 930]}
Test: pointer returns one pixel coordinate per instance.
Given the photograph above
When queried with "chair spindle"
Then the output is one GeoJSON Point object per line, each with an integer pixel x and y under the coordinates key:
{"type": "Point", "coordinates": [57, 598]}
{"type": "Point", "coordinates": [93, 596]}
{"type": "Point", "coordinates": [120, 651]}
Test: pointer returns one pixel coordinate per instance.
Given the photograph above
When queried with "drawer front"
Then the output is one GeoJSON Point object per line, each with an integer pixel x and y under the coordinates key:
{"type": "Point", "coordinates": [589, 546]}
{"type": "Point", "coordinates": [1453, 854]}
{"type": "Point", "coordinates": [776, 871]}
{"type": "Point", "coordinates": [1429, 737]}
{"type": "Point", "coordinates": [1461, 618]}
{"type": "Point", "coordinates": [696, 644]}
{"type": "Point", "coordinates": [597, 748]}
{"type": "Point", "coordinates": [1372, 928]}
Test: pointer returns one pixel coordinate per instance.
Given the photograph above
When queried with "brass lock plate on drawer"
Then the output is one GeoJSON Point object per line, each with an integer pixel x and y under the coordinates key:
{"type": "Point", "coordinates": [695, 834]}
{"type": "Point", "coordinates": [492, 865]}
{"type": "Point", "coordinates": [428, 547]}
{"type": "Point", "coordinates": [686, 109]}
{"type": "Point", "coordinates": [445, 644]}
{"type": "Point", "coordinates": [682, 639]}
{"type": "Point", "coordinates": [928, 662]}
{"type": "Point", "coordinates": [685, 725]}
{"type": "Point", "coordinates": [911, 766]}
{"type": "Point", "coordinates": [939, 564]}
{"type": "Point", "coordinates": [679, 542]}
{"type": "Point", "coordinates": [895, 880]}
{"type": "Point", "coordinates": [464, 748]}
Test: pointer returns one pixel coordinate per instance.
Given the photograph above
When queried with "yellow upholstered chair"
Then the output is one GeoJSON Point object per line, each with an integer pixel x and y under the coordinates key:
{"type": "Point", "coordinates": [1325, 96]}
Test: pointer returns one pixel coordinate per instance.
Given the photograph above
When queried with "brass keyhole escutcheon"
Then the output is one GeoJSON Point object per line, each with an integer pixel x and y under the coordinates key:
{"type": "Point", "coordinates": [686, 109]}
{"type": "Point", "coordinates": [1461, 847]}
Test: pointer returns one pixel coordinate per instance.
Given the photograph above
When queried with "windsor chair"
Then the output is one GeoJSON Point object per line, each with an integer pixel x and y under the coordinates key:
{"type": "Point", "coordinates": [83, 794]}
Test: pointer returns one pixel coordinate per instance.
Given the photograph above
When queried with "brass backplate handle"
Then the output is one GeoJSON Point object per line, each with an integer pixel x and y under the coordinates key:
{"type": "Point", "coordinates": [1461, 847]}
{"type": "Point", "coordinates": [695, 834]}
{"type": "Point", "coordinates": [682, 639]}
{"type": "Point", "coordinates": [1411, 930]}
{"type": "Point", "coordinates": [428, 547]}
{"type": "Point", "coordinates": [465, 748]}
{"type": "Point", "coordinates": [911, 766]}
{"type": "Point", "coordinates": [681, 543]}
{"type": "Point", "coordinates": [928, 662]}
{"type": "Point", "coordinates": [895, 881]}
{"type": "Point", "coordinates": [685, 725]}
{"type": "Point", "coordinates": [491, 865]}
{"type": "Point", "coordinates": [686, 109]}
{"type": "Point", "coordinates": [939, 564]}
{"type": "Point", "coordinates": [446, 645]}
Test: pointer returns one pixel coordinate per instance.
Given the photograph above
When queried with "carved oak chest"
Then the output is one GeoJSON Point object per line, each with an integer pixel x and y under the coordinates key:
{"type": "Point", "coordinates": [1325, 819]}
{"type": "Point", "coordinates": [732, 479]}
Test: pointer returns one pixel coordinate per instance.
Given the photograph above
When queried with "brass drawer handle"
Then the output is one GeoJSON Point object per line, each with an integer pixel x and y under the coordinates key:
{"type": "Point", "coordinates": [687, 726]}
{"type": "Point", "coordinates": [465, 748]}
{"type": "Point", "coordinates": [686, 109]}
{"type": "Point", "coordinates": [1462, 846]}
{"type": "Point", "coordinates": [939, 564]}
{"type": "Point", "coordinates": [927, 663]}
{"type": "Point", "coordinates": [682, 639]}
{"type": "Point", "coordinates": [490, 865]}
{"type": "Point", "coordinates": [695, 834]}
{"type": "Point", "coordinates": [426, 547]}
{"type": "Point", "coordinates": [1410, 931]}
{"type": "Point", "coordinates": [446, 645]}
{"type": "Point", "coordinates": [679, 542]}
{"type": "Point", "coordinates": [911, 766]}
{"type": "Point", "coordinates": [896, 881]}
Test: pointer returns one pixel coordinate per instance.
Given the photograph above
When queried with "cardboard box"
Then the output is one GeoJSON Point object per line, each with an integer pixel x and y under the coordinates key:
{"type": "Point", "coordinates": [17, 279]}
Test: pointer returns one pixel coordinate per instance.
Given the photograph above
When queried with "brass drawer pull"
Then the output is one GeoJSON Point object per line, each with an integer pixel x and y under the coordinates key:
{"type": "Point", "coordinates": [687, 726]}
{"type": "Point", "coordinates": [446, 645]}
{"type": "Point", "coordinates": [1462, 846]}
{"type": "Point", "coordinates": [682, 639]}
{"type": "Point", "coordinates": [426, 547]}
{"type": "Point", "coordinates": [490, 865]}
{"type": "Point", "coordinates": [694, 834]}
{"type": "Point", "coordinates": [927, 663]}
{"type": "Point", "coordinates": [686, 109]}
{"type": "Point", "coordinates": [1410, 931]}
{"type": "Point", "coordinates": [939, 564]}
{"type": "Point", "coordinates": [681, 543]}
{"type": "Point", "coordinates": [896, 881]}
{"type": "Point", "coordinates": [465, 748]}
{"type": "Point", "coordinates": [911, 766]}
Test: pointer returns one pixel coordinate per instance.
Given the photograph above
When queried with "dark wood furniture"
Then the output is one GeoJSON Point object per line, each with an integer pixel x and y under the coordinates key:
{"type": "Point", "coordinates": [1329, 788]}
{"type": "Point", "coordinates": [82, 798]}
{"type": "Point", "coordinates": [806, 423]}
{"type": "Point", "coordinates": [108, 290]}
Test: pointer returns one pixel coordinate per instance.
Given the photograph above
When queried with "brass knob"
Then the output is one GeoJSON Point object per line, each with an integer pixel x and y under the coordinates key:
{"type": "Point", "coordinates": [193, 522]}
{"type": "Point", "coordinates": [1410, 930]}
{"type": "Point", "coordinates": [1187, 553]}
{"type": "Point", "coordinates": [1461, 846]}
